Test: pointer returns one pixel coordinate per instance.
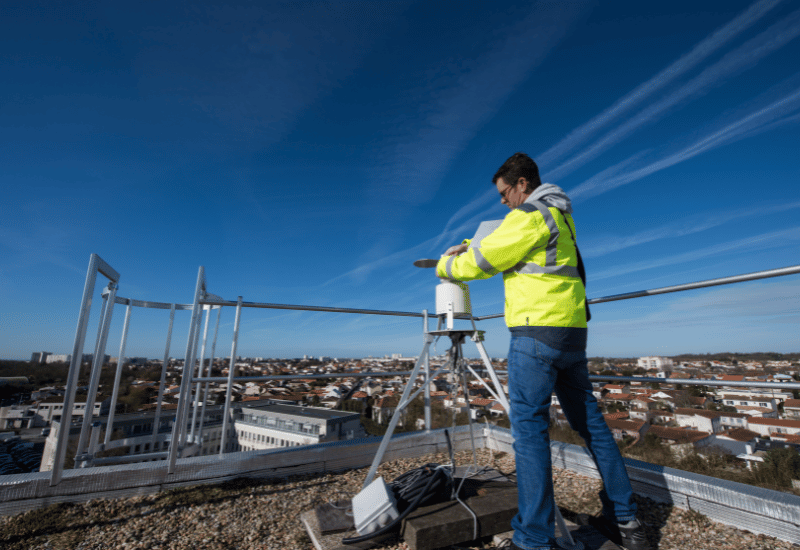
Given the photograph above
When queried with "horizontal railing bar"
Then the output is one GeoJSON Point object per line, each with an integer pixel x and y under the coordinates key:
{"type": "Point", "coordinates": [216, 301]}
{"type": "Point", "coordinates": [125, 459]}
{"type": "Point", "coordinates": [105, 269]}
{"type": "Point", "coordinates": [312, 308]}
{"type": "Point", "coordinates": [702, 284]}
{"type": "Point", "coordinates": [687, 286]}
{"type": "Point", "coordinates": [302, 376]}
{"type": "Point", "coordinates": [697, 382]}
{"type": "Point", "coordinates": [152, 305]}
{"type": "Point", "coordinates": [592, 377]}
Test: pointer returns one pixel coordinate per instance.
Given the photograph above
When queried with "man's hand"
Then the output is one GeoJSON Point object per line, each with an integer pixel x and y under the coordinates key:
{"type": "Point", "coordinates": [457, 249]}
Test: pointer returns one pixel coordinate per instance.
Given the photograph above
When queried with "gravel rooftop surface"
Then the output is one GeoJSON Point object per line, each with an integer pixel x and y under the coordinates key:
{"type": "Point", "coordinates": [254, 514]}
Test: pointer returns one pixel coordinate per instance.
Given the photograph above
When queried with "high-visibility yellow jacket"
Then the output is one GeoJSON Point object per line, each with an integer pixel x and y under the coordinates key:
{"type": "Point", "coordinates": [534, 248]}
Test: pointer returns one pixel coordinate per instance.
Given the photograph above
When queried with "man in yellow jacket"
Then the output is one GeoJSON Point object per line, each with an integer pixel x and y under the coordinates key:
{"type": "Point", "coordinates": [535, 249]}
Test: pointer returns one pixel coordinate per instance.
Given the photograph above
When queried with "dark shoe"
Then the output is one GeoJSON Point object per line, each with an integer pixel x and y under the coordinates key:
{"type": "Point", "coordinates": [506, 544]}
{"type": "Point", "coordinates": [631, 535]}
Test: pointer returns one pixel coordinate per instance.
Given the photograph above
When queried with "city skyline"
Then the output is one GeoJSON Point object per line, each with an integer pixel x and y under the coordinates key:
{"type": "Point", "coordinates": [309, 153]}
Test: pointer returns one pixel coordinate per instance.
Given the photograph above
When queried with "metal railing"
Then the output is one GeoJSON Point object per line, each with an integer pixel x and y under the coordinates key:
{"type": "Point", "coordinates": [204, 303]}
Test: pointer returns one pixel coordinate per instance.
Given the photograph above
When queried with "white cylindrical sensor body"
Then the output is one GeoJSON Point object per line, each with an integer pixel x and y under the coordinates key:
{"type": "Point", "coordinates": [455, 292]}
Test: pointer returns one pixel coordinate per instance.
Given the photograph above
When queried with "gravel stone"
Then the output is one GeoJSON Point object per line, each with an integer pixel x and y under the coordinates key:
{"type": "Point", "coordinates": [265, 515]}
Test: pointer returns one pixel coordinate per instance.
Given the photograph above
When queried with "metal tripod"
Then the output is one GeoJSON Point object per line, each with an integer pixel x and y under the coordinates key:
{"type": "Point", "coordinates": [459, 368]}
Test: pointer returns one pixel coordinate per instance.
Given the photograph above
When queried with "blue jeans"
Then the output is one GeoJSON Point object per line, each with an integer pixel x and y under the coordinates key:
{"type": "Point", "coordinates": [534, 372]}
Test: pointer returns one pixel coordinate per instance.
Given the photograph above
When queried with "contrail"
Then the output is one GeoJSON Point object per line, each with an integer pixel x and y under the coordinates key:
{"type": "Point", "coordinates": [754, 123]}
{"type": "Point", "coordinates": [461, 212]}
{"type": "Point", "coordinates": [699, 53]}
{"type": "Point", "coordinates": [686, 226]}
{"type": "Point", "coordinates": [758, 242]}
{"type": "Point", "coordinates": [419, 160]}
{"type": "Point", "coordinates": [748, 123]}
{"type": "Point", "coordinates": [742, 58]}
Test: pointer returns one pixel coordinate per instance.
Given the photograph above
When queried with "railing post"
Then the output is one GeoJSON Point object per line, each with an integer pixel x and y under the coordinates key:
{"type": "Point", "coordinates": [205, 386]}
{"type": "Point", "coordinates": [179, 427]}
{"type": "Point", "coordinates": [74, 372]}
{"type": "Point", "coordinates": [199, 374]}
{"type": "Point", "coordinates": [157, 419]}
{"type": "Point", "coordinates": [118, 375]}
{"type": "Point", "coordinates": [190, 397]}
{"type": "Point", "coordinates": [97, 366]}
{"type": "Point", "coordinates": [226, 423]}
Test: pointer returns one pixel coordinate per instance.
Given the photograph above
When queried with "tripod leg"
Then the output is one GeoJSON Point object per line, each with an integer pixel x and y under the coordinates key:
{"type": "Point", "coordinates": [398, 412]}
{"type": "Point", "coordinates": [469, 418]}
{"type": "Point", "coordinates": [497, 385]}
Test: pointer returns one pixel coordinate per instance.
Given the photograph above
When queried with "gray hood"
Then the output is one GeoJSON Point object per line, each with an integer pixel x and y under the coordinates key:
{"type": "Point", "coordinates": [553, 195]}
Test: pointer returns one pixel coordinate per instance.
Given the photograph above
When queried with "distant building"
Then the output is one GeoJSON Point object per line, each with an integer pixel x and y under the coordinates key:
{"type": "Point", "coordinates": [791, 409]}
{"type": "Point", "coordinates": [39, 357]}
{"type": "Point", "coordinates": [702, 420]}
{"type": "Point", "coordinates": [749, 400]}
{"type": "Point", "coordinates": [258, 425]}
{"type": "Point", "coordinates": [770, 426]}
{"type": "Point", "coordinates": [657, 363]}
{"type": "Point", "coordinates": [631, 428]}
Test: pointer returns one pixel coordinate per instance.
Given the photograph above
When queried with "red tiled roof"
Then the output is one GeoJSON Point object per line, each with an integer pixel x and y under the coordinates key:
{"type": "Point", "coordinates": [677, 434]}
{"type": "Point", "coordinates": [387, 401]}
{"type": "Point", "coordinates": [752, 408]}
{"type": "Point", "coordinates": [627, 425]}
{"type": "Point", "coordinates": [782, 422]}
{"type": "Point", "coordinates": [740, 434]}
{"type": "Point", "coordinates": [619, 397]}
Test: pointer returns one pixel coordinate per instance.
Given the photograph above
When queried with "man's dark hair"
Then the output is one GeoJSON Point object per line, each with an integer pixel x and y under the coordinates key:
{"type": "Point", "coordinates": [519, 165]}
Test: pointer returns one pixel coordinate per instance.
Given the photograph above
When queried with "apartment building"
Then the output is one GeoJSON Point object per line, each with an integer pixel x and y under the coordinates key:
{"type": "Point", "coordinates": [256, 425]}
{"type": "Point", "coordinates": [768, 426]}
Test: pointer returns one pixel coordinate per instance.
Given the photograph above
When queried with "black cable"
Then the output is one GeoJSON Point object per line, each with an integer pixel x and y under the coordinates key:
{"type": "Point", "coordinates": [409, 485]}
{"type": "Point", "coordinates": [419, 496]}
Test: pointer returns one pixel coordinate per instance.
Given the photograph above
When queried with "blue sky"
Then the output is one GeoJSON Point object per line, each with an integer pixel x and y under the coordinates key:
{"type": "Point", "coordinates": [309, 152]}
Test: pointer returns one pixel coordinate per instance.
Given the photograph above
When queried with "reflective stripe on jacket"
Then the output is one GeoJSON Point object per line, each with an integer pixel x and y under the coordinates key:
{"type": "Point", "coordinates": [535, 250]}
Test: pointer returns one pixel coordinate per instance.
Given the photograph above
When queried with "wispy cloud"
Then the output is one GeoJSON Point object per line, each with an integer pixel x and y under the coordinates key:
{"type": "Point", "coordinates": [760, 242]}
{"type": "Point", "coordinates": [779, 298]}
{"type": "Point", "coordinates": [601, 245]}
{"type": "Point", "coordinates": [697, 55]}
{"type": "Point", "coordinates": [40, 243]}
{"type": "Point", "coordinates": [747, 126]}
{"type": "Point", "coordinates": [418, 160]}
{"type": "Point", "coordinates": [740, 59]}
{"type": "Point", "coordinates": [407, 256]}
{"type": "Point", "coordinates": [477, 203]}
{"type": "Point", "coordinates": [641, 93]}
